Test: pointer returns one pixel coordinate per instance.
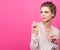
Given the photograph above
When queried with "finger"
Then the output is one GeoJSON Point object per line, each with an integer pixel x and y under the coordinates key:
{"type": "Point", "coordinates": [54, 37]}
{"type": "Point", "coordinates": [34, 25]}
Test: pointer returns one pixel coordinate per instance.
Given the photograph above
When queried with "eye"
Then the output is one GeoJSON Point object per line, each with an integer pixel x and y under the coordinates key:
{"type": "Point", "coordinates": [46, 12]}
{"type": "Point", "coordinates": [41, 12]}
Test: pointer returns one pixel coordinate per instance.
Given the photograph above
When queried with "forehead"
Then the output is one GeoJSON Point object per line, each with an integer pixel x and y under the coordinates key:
{"type": "Point", "coordinates": [45, 8]}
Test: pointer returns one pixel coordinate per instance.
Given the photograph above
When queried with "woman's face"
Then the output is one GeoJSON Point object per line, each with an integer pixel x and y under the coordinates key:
{"type": "Point", "coordinates": [46, 14]}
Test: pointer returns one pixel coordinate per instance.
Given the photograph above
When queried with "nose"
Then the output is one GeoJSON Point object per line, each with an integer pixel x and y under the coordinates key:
{"type": "Point", "coordinates": [43, 14]}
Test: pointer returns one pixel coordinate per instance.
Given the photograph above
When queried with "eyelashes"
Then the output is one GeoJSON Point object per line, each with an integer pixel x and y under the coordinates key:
{"type": "Point", "coordinates": [44, 11]}
{"type": "Point", "coordinates": [41, 12]}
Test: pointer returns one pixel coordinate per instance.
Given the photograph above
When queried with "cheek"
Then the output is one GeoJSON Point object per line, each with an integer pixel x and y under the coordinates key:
{"type": "Point", "coordinates": [48, 16]}
{"type": "Point", "coordinates": [40, 15]}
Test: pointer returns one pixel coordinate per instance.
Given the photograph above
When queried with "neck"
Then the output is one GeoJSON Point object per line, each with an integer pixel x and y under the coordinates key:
{"type": "Point", "coordinates": [47, 24]}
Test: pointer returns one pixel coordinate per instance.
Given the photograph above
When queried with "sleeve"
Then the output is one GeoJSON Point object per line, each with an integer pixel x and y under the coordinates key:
{"type": "Point", "coordinates": [34, 44]}
{"type": "Point", "coordinates": [58, 35]}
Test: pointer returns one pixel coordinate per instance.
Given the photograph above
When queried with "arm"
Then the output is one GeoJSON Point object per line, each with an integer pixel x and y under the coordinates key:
{"type": "Point", "coordinates": [34, 44]}
{"type": "Point", "coordinates": [56, 38]}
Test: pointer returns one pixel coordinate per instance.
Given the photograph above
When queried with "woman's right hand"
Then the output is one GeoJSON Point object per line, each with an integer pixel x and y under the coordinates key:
{"type": "Point", "coordinates": [35, 29]}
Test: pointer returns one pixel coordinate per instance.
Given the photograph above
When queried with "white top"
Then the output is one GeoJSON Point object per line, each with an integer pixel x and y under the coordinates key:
{"type": "Point", "coordinates": [40, 42]}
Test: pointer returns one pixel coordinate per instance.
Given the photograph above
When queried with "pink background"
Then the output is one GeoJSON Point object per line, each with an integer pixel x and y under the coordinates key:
{"type": "Point", "coordinates": [16, 17]}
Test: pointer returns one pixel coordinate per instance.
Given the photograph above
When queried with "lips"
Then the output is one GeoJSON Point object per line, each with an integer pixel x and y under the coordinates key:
{"type": "Point", "coordinates": [43, 18]}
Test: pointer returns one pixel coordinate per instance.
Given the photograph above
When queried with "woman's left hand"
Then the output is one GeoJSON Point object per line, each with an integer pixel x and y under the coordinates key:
{"type": "Point", "coordinates": [54, 39]}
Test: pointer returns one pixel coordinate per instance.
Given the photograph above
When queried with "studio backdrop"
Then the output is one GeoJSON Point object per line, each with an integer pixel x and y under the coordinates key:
{"type": "Point", "coordinates": [16, 17]}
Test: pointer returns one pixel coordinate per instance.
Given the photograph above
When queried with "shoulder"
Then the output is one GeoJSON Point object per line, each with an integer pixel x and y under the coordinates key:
{"type": "Point", "coordinates": [55, 30]}
{"type": "Point", "coordinates": [39, 23]}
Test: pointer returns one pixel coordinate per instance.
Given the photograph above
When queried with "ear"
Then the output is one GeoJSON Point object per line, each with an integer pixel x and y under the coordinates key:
{"type": "Point", "coordinates": [52, 15]}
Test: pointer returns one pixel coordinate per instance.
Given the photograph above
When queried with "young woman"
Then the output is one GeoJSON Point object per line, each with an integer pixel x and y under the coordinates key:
{"type": "Point", "coordinates": [44, 35]}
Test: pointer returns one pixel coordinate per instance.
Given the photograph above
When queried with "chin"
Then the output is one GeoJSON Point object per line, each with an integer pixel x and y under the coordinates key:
{"type": "Point", "coordinates": [44, 20]}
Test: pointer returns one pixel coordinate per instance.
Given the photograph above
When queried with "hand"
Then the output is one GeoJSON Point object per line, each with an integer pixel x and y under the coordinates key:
{"type": "Point", "coordinates": [34, 27]}
{"type": "Point", "coordinates": [54, 39]}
